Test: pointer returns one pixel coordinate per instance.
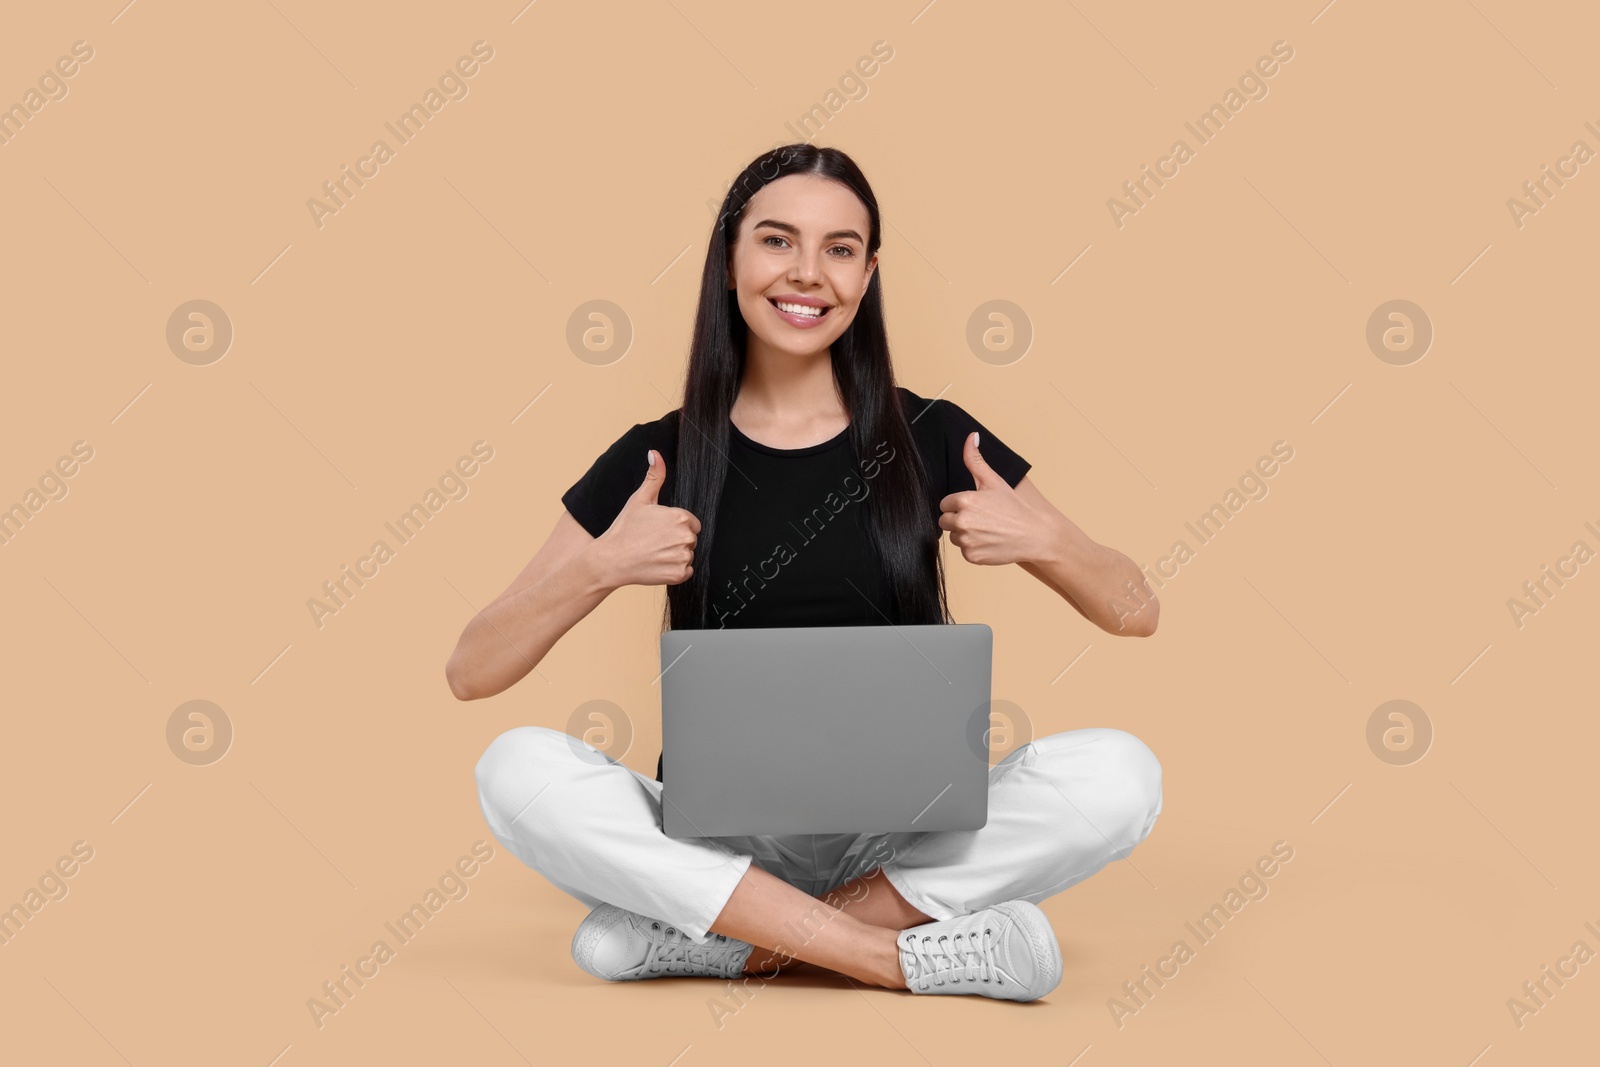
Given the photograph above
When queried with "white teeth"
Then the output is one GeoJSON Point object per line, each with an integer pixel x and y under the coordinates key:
{"type": "Point", "coordinates": [799, 309]}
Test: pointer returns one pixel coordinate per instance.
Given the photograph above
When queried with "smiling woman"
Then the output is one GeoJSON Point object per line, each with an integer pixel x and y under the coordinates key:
{"type": "Point", "coordinates": [788, 394]}
{"type": "Point", "coordinates": [797, 357]}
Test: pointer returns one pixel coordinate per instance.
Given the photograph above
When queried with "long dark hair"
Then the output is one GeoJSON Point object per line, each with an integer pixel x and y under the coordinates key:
{"type": "Point", "coordinates": [902, 521]}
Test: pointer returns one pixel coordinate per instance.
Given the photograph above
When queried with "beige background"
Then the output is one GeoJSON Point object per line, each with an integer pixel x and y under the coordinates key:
{"type": "Point", "coordinates": [431, 311]}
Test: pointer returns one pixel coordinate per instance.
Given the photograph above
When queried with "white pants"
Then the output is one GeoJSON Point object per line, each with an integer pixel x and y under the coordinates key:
{"type": "Point", "coordinates": [1060, 808]}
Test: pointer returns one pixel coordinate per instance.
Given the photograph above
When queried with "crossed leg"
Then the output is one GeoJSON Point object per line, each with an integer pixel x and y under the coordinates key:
{"type": "Point", "coordinates": [851, 929]}
{"type": "Point", "coordinates": [1060, 809]}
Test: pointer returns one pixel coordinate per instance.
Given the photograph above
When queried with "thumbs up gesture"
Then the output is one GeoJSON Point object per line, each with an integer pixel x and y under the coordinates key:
{"type": "Point", "coordinates": [991, 524]}
{"type": "Point", "coordinates": [647, 543]}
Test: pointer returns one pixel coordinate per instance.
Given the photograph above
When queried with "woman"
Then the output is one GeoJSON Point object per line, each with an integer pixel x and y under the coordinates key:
{"type": "Point", "coordinates": [789, 390]}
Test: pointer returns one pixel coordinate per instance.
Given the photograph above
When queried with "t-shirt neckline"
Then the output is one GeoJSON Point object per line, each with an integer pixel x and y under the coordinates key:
{"type": "Point", "coordinates": [808, 450]}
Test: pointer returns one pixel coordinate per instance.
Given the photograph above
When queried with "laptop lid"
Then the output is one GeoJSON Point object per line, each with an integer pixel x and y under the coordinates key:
{"type": "Point", "coordinates": [825, 729]}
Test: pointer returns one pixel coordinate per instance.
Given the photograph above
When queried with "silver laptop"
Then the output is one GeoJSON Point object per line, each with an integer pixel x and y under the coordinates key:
{"type": "Point", "coordinates": [825, 729]}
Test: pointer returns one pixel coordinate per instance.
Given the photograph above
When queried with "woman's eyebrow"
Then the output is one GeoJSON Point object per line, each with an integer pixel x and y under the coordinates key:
{"type": "Point", "coordinates": [787, 228]}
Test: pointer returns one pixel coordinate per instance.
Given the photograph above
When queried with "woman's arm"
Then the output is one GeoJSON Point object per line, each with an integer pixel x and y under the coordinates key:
{"type": "Point", "coordinates": [564, 581]}
{"type": "Point", "coordinates": [647, 543]}
{"type": "Point", "coordinates": [1085, 572]}
{"type": "Point", "coordinates": [996, 523]}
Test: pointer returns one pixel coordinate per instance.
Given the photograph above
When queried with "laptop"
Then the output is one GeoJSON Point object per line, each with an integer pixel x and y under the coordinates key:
{"type": "Point", "coordinates": [825, 729]}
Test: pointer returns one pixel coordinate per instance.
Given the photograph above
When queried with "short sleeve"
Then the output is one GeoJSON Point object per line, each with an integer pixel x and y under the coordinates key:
{"type": "Point", "coordinates": [597, 498]}
{"type": "Point", "coordinates": [958, 425]}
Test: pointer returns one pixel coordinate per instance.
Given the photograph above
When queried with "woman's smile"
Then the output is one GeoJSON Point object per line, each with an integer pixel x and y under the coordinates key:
{"type": "Point", "coordinates": [801, 312]}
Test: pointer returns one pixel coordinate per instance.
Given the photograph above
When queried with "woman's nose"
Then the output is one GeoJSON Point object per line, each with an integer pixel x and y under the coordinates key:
{"type": "Point", "coordinates": [806, 267]}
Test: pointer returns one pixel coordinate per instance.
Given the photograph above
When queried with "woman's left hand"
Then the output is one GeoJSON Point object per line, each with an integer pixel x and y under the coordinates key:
{"type": "Point", "coordinates": [990, 524]}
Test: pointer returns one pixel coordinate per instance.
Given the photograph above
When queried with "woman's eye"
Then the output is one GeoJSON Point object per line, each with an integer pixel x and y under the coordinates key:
{"type": "Point", "coordinates": [846, 249]}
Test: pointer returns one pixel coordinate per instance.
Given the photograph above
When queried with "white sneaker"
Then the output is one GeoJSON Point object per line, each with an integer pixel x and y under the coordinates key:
{"type": "Point", "coordinates": [621, 946]}
{"type": "Point", "coordinates": [1007, 951]}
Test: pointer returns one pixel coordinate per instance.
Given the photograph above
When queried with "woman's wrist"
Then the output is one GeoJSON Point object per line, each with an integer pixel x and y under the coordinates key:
{"type": "Point", "coordinates": [598, 568]}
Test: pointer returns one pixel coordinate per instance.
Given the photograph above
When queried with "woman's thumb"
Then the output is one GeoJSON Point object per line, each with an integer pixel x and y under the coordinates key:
{"type": "Point", "coordinates": [654, 475]}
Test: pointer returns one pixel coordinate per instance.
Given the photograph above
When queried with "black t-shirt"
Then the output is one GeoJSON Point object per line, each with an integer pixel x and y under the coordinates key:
{"type": "Point", "coordinates": [791, 534]}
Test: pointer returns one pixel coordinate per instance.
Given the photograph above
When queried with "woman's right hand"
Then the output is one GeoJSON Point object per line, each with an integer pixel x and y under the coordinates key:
{"type": "Point", "coordinates": [648, 543]}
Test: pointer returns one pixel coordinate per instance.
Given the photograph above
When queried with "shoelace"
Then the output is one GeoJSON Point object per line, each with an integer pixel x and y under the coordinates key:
{"type": "Point", "coordinates": [981, 968]}
{"type": "Point", "coordinates": [672, 951]}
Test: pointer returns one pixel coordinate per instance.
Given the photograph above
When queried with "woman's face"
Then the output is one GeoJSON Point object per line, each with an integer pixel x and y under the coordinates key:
{"type": "Point", "coordinates": [802, 240]}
